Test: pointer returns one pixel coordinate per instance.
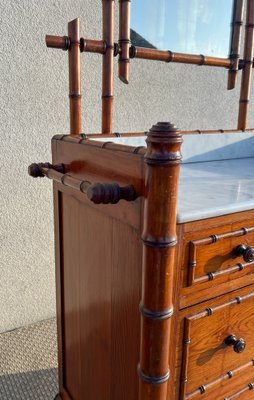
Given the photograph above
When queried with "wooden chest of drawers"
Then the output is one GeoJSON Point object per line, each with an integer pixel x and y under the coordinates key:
{"type": "Point", "coordinates": [214, 321]}
{"type": "Point", "coordinates": [106, 255]}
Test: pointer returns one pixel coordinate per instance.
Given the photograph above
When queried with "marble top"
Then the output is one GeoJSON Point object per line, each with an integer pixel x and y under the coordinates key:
{"type": "Point", "coordinates": [204, 147]}
{"type": "Point", "coordinates": [210, 189]}
{"type": "Point", "coordinates": [216, 175]}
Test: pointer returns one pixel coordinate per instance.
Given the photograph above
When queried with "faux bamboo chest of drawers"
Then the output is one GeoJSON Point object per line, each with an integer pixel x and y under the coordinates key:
{"type": "Point", "coordinates": [191, 284]}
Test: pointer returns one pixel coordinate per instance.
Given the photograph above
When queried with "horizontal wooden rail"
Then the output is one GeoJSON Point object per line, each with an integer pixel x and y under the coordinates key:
{"type": "Point", "coordinates": [86, 45]}
{"type": "Point", "coordinates": [170, 56]}
{"type": "Point", "coordinates": [98, 193]}
{"type": "Point", "coordinates": [140, 134]}
{"type": "Point", "coordinates": [100, 47]}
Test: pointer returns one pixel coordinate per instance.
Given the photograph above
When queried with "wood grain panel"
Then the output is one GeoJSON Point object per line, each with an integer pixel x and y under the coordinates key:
{"type": "Point", "coordinates": [215, 254]}
{"type": "Point", "coordinates": [206, 357]}
{"type": "Point", "coordinates": [100, 272]}
{"type": "Point", "coordinates": [70, 275]}
{"type": "Point", "coordinates": [94, 285]}
{"type": "Point", "coordinates": [225, 385]}
{"type": "Point", "coordinates": [216, 258]}
{"type": "Point", "coordinates": [102, 165]}
{"type": "Point", "coordinates": [126, 294]}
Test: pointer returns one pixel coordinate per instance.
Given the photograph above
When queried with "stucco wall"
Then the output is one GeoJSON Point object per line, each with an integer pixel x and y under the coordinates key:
{"type": "Point", "coordinates": [34, 107]}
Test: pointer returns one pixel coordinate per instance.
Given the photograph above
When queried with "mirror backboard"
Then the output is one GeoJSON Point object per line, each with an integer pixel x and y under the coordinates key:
{"type": "Point", "coordinates": [183, 26]}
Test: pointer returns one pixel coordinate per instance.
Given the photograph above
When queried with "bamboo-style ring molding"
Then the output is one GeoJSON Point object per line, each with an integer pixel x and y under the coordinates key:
{"type": "Point", "coordinates": [93, 46]}
{"type": "Point", "coordinates": [170, 56]}
{"type": "Point", "coordinates": [161, 243]}
{"type": "Point", "coordinates": [98, 193]}
{"type": "Point", "coordinates": [108, 25]}
{"type": "Point", "coordinates": [224, 377]}
{"type": "Point", "coordinates": [153, 380]}
{"type": "Point", "coordinates": [75, 77]}
{"type": "Point", "coordinates": [57, 42]}
{"type": "Point", "coordinates": [86, 45]}
{"type": "Point", "coordinates": [192, 132]}
{"type": "Point", "coordinates": [124, 40]}
{"type": "Point", "coordinates": [237, 23]}
{"type": "Point", "coordinates": [156, 315]}
{"type": "Point", "coordinates": [247, 70]}
{"type": "Point", "coordinates": [162, 167]}
{"type": "Point", "coordinates": [250, 386]}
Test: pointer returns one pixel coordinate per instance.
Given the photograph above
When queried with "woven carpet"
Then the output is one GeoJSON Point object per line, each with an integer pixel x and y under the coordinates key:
{"type": "Point", "coordinates": [28, 362]}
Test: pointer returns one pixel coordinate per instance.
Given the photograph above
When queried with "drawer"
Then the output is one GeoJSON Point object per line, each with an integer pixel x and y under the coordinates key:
{"type": "Point", "coordinates": [218, 348]}
{"type": "Point", "coordinates": [209, 263]}
{"type": "Point", "coordinates": [243, 394]}
{"type": "Point", "coordinates": [220, 255]}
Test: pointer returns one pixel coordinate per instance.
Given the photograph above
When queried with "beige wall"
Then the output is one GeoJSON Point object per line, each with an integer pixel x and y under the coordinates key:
{"type": "Point", "coordinates": [34, 107]}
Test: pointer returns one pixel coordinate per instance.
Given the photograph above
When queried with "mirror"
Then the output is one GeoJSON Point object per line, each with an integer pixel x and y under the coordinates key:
{"type": "Point", "coordinates": [183, 26]}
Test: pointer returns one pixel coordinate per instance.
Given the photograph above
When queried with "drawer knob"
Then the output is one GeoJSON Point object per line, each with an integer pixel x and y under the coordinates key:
{"type": "Point", "coordinates": [246, 251]}
{"type": "Point", "coordinates": [238, 344]}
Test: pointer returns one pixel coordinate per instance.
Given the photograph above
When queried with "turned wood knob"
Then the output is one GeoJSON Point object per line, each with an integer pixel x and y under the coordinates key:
{"type": "Point", "coordinates": [35, 170]}
{"type": "Point", "coordinates": [106, 193]}
{"type": "Point", "coordinates": [238, 344]}
{"type": "Point", "coordinates": [246, 251]}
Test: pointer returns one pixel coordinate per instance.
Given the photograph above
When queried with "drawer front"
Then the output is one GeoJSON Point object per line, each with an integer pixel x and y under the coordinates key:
{"type": "Point", "coordinates": [218, 346]}
{"type": "Point", "coordinates": [243, 394]}
{"type": "Point", "coordinates": [219, 256]}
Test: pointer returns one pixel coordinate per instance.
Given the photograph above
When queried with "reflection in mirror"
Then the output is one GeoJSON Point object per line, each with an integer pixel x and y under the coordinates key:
{"type": "Point", "coordinates": [184, 26]}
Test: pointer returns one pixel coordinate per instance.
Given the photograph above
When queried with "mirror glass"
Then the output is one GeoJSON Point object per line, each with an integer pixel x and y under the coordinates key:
{"type": "Point", "coordinates": [183, 26]}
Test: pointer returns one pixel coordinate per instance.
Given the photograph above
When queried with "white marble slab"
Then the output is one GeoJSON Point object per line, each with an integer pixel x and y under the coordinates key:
{"type": "Point", "coordinates": [210, 189]}
{"type": "Point", "coordinates": [217, 174]}
{"type": "Point", "coordinates": [205, 147]}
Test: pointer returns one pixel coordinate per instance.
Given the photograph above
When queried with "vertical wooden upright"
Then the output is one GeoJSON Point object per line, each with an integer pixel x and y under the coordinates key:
{"type": "Point", "coordinates": [236, 42]}
{"type": "Point", "coordinates": [74, 77]}
{"type": "Point", "coordinates": [124, 40]}
{"type": "Point", "coordinates": [159, 240]}
{"type": "Point", "coordinates": [248, 65]}
{"type": "Point", "coordinates": [107, 66]}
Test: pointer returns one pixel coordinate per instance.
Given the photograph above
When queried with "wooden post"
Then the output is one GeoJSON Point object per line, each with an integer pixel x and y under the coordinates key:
{"type": "Point", "coordinates": [74, 77]}
{"type": "Point", "coordinates": [159, 240]}
{"type": "Point", "coordinates": [236, 42]}
{"type": "Point", "coordinates": [107, 66]}
{"type": "Point", "coordinates": [124, 40]}
{"type": "Point", "coordinates": [248, 65]}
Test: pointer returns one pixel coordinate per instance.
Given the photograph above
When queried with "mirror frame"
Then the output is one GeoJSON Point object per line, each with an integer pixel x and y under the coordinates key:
{"type": "Point", "coordinates": [233, 63]}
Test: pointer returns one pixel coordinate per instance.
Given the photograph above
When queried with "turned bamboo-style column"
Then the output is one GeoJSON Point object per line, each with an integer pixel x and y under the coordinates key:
{"type": "Point", "coordinates": [74, 77]}
{"type": "Point", "coordinates": [248, 65]}
{"type": "Point", "coordinates": [107, 66]}
{"type": "Point", "coordinates": [159, 240]}
{"type": "Point", "coordinates": [124, 40]}
{"type": "Point", "coordinates": [236, 42]}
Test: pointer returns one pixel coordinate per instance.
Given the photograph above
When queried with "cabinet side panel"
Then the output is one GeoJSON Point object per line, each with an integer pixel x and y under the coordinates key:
{"type": "Point", "coordinates": [126, 294]}
{"type": "Point", "coordinates": [100, 275]}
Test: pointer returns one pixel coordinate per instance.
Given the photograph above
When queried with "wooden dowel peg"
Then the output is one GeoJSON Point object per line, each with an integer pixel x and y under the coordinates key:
{"type": "Point", "coordinates": [98, 193]}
